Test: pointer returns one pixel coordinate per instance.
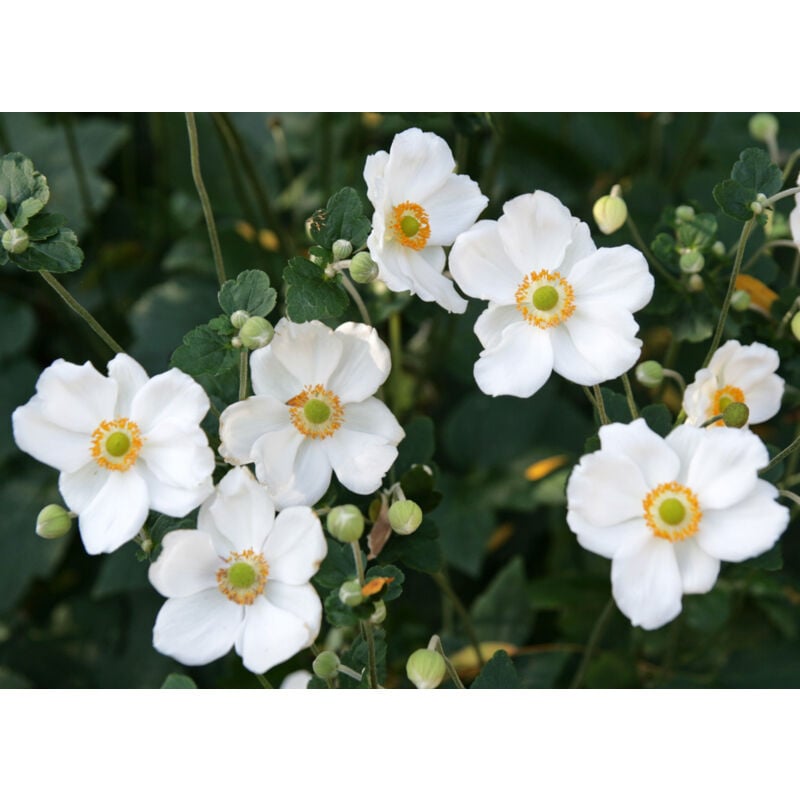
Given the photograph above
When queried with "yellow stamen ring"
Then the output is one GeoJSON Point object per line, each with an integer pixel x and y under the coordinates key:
{"type": "Point", "coordinates": [672, 512]}
{"type": "Point", "coordinates": [244, 580]}
{"type": "Point", "coordinates": [115, 445]}
{"type": "Point", "coordinates": [316, 412]}
{"type": "Point", "coordinates": [723, 398]}
{"type": "Point", "coordinates": [545, 299]}
{"type": "Point", "coordinates": [409, 225]}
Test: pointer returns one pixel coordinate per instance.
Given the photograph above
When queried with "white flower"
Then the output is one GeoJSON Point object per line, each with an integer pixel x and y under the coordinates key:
{"type": "Point", "coordinates": [666, 511]}
{"type": "Point", "coordinates": [297, 680]}
{"type": "Point", "coordinates": [736, 373]}
{"type": "Point", "coordinates": [556, 302]}
{"type": "Point", "coordinates": [420, 207]}
{"type": "Point", "coordinates": [123, 444]}
{"type": "Point", "coordinates": [313, 413]}
{"type": "Point", "coordinates": [240, 580]}
{"type": "Point", "coordinates": [794, 217]}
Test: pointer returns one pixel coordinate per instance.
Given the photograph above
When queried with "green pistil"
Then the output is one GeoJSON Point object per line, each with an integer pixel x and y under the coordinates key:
{"type": "Point", "coordinates": [118, 444]}
{"type": "Point", "coordinates": [241, 575]}
{"type": "Point", "coordinates": [410, 226]}
{"type": "Point", "coordinates": [672, 511]}
{"type": "Point", "coordinates": [724, 402]}
{"type": "Point", "coordinates": [545, 298]}
{"type": "Point", "coordinates": [316, 411]}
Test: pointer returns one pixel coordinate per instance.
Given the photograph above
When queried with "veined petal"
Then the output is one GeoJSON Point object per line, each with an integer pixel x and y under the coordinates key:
{"type": "Point", "coordinates": [296, 546]}
{"type": "Point", "coordinates": [609, 540]}
{"type": "Point", "coordinates": [177, 501]}
{"type": "Point", "coordinates": [653, 457]}
{"type": "Point", "coordinates": [178, 456]}
{"type": "Point", "coordinates": [270, 377]}
{"type": "Point", "coordinates": [518, 364]}
{"type": "Point", "coordinates": [571, 364]}
{"type": "Point", "coordinates": [170, 396]}
{"type": "Point", "coordinates": [186, 565]}
{"type": "Point", "coordinates": [79, 488]}
{"type": "Point", "coordinates": [130, 377]}
{"type": "Point", "coordinates": [452, 208]}
{"type": "Point", "coordinates": [242, 510]}
{"type": "Point", "coordinates": [616, 276]}
{"type": "Point", "coordinates": [360, 460]}
{"type": "Point", "coordinates": [491, 324]}
{"type": "Point", "coordinates": [581, 246]}
{"type": "Point", "coordinates": [372, 416]}
{"type": "Point", "coordinates": [698, 569]}
{"type": "Point", "coordinates": [418, 164]}
{"type": "Point", "coordinates": [364, 365]}
{"type": "Point", "coordinates": [308, 350]}
{"type": "Point", "coordinates": [301, 601]}
{"type": "Point", "coordinates": [242, 424]}
{"type": "Point", "coordinates": [197, 629]}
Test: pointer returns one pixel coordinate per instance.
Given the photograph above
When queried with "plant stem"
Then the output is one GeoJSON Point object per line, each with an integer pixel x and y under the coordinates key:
{"type": "Point", "coordinates": [444, 584]}
{"type": "Point", "coordinates": [651, 259]}
{"type": "Point", "coordinates": [787, 170]}
{"type": "Point", "coordinates": [591, 645]}
{"type": "Point", "coordinates": [366, 625]}
{"type": "Point", "coordinates": [787, 451]}
{"type": "Point", "coordinates": [601, 408]}
{"type": "Point", "coordinates": [243, 373]}
{"type": "Point", "coordinates": [712, 420]}
{"type": "Point", "coordinates": [677, 377]}
{"type": "Point", "coordinates": [768, 245]}
{"type": "Point", "coordinates": [451, 670]}
{"type": "Point", "coordinates": [780, 195]}
{"type": "Point", "coordinates": [265, 684]}
{"type": "Point", "coordinates": [726, 303]}
{"type": "Point", "coordinates": [79, 169]}
{"type": "Point", "coordinates": [629, 396]}
{"type": "Point", "coordinates": [194, 155]}
{"type": "Point", "coordinates": [81, 311]}
{"type": "Point", "coordinates": [353, 292]}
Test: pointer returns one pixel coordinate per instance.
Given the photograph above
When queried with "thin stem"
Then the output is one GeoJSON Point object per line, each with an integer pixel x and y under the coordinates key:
{"type": "Point", "coordinates": [651, 259]}
{"type": "Point", "coordinates": [194, 155]}
{"type": "Point", "coordinates": [787, 170]}
{"type": "Point", "coordinates": [589, 396]}
{"type": "Point", "coordinates": [591, 645]}
{"type": "Point", "coordinates": [629, 396]}
{"type": "Point", "coordinates": [243, 373]}
{"type": "Point", "coordinates": [712, 420]}
{"type": "Point", "coordinates": [81, 311]}
{"type": "Point", "coordinates": [265, 684]}
{"type": "Point", "coordinates": [790, 495]}
{"type": "Point", "coordinates": [601, 407]}
{"type": "Point", "coordinates": [444, 584]}
{"type": "Point", "coordinates": [351, 673]}
{"type": "Point", "coordinates": [353, 292]}
{"type": "Point", "coordinates": [79, 169]}
{"type": "Point", "coordinates": [786, 317]}
{"type": "Point", "coordinates": [726, 303]}
{"type": "Point", "coordinates": [365, 625]}
{"type": "Point", "coordinates": [768, 245]}
{"type": "Point", "coordinates": [451, 670]}
{"type": "Point", "coordinates": [677, 377]}
{"type": "Point", "coordinates": [787, 451]}
{"type": "Point", "coordinates": [780, 195]}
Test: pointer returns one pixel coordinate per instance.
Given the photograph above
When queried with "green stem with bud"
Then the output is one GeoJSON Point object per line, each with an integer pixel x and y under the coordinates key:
{"type": "Point", "coordinates": [366, 625]}
{"type": "Point", "coordinates": [243, 354]}
{"type": "Point", "coordinates": [353, 292]}
{"type": "Point", "coordinates": [629, 396]}
{"type": "Point", "coordinates": [594, 639]}
{"type": "Point", "coordinates": [780, 195]}
{"type": "Point", "coordinates": [785, 453]}
{"type": "Point", "coordinates": [792, 160]}
{"type": "Point", "coordinates": [712, 420]}
{"type": "Point", "coordinates": [444, 584]}
{"type": "Point", "coordinates": [451, 670]}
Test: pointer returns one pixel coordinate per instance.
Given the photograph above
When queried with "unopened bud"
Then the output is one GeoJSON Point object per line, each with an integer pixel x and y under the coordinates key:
{"type": "Point", "coordinates": [735, 415]}
{"type": "Point", "coordinates": [362, 268]}
{"type": "Point", "coordinates": [53, 522]}
{"type": "Point", "coordinates": [718, 249]}
{"type": "Point", "coordinates": [405, 517]}
{"type": "Point", "coordinates": [15, 241]}
{"type": "Point", "coordinates": [426, 669]}
{"type": "Point", "coordinates": [763, 127]}
{"type": "Point", "coordinates": [740, 300]}
{"type": "Point", "coordinates": [236, 342]}
{"type": "Point", "coordinates": [350, 593]}
{"type": "Point", "coordinates": [650, 374]}
{"type": "Point", "coordinates": [326, 665]}
{"type": "Point", "coordinates": [345, 523]}
{"type": "Point", "coordinates": [610, 212]}
{"type": "Point", "coordinates": [256, 332]}
{"type": "Point", "coordinates": [330, 271]}
{"type": "Point", "coordinates": [756, 207]}
{"type": "Point", "coordinates": [684, 213]}
{"type": "Point", "coordinates": [238, 318]}
{"type": "Point", "coordinates": [692, 262]}
{"type": "Point", "coordinates": [379, 614]}
{"type": "Point", "coordinates": [795, 324]}
{"type": "Point", "coordinates": [695, 284]}
{"type": "Point", "coordinates": [341, 249]}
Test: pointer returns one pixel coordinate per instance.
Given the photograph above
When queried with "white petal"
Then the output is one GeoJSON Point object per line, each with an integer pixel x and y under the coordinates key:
{"type": "Point", "coordinates": [618, 276]}
{"type": "Point", "coordinates": [301, 601]}
{"type": "Point", "coordinates": [519, 363]}
{"type": "Point", "coordinates": [794, 224]}
{"type": "Point", "coordinates": [536, 230]}
{"type": "Point", "coordinates": [579, 248]}
{"type": "Point", "coordinates": [491, 323]}
{"type": "Point", "coordinates": [242, 424]}
{"type": "Point", "coordinates": [698, 569]}
{"type": "Point", "coordinates": [74, 397]}
{"type": "Point", "coordinates": [372, 416]}
{"type": "Point", "coordinates": [482, 268]}
{"type": "Point", "coordinates": [173, 500]}
{"type": "Point", "coordinates": [746, 529]}
{"type": "Point", "coordinates": [308, 350]}
{"type": "Point", "coordinates": [418, 164]}
{"type": "Point", "coordinates": [270, 378]}
{"type": "Point", "coordinates": [116, 514]}
{"type": "Point", "coordinates": [172, 396]}
{"type": "Point", "coordinates": [242, 510]}
{"type": "Point", "coordinates": [452, 208]}
{"type": "Point", "coordinates": [79, 488]}
{"type": "Point", "coordinates": [364, 365]}
{"type": "Point", "coordinates": [58, 447]}
{"type": "Point", "coordinates": [698, 399]}
{"type": "Point", "coordinates": [764, 399]}
{"type": "Point", "coordinates": [607, 541]}
{"type": "Point", "coordinates": [197, 629]}
{"type": "Point", "coordinates": [296, 680]}
{"type": "Point", "coordinates": [743, 366]}
{"type": "Point", "coordinates": [129, 377]}
{"type": "Point", "coordinates": [296, 546]}
{"type": "Point", "coordinates": [571, 364]}
{"type": "Point", "coordinates": [654, 458]}
{"type": "Point", "coordinates": [178, 456]}
{"type": "Point", "coordinates": [374, 169]}
{"type": "Point", "coordinates": [186, 565]}
{"type": "Point", "coordinates": [360, 460]}
{"type": "Point", "coordinates": [646, 583]}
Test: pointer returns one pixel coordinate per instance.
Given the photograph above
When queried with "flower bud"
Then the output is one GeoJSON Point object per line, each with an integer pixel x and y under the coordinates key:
{"type": "Point", "coordinates": [650, 374]}
{"type": "Point", "coordinates": [3, 204]}
{"type": "Point", "coordinates": [350, 593]}
{"type": "Point", "coordinates": [718, 249]}
{"type": "Point", "coordinates": [236, 342]}
{"type": "Point", "coordinates": [426, 669]}
{"type": "Point", "coordinates": [696, 284]}
{"type": "Point", "coordinates": [763, 127]}
{"type": "Point", "coordinates": [326, 665]}
{"type": "Point", "coordinates": [692, 262]}
{"type": "Point", "coordinates": [53, 522]}
{"type": "Point", "coordinates": [740, 300]}
{"type": "Point", "coordinates": [736, 415]}
{"type": "Point", "coordinates": [362, 268]}
{"type": "Point", "coordinates": [256, 332]}
{"type": "Point", "coordinates": [15, 240]}
{"type": "Point", "coordinates": [379, 614]}
{"type": "Point", "coordinates": [756, 207]}
{"type": "Point", "coordinates": [405, 517]}
{"type": "Point", "coordinates": [684, 213]}
{"type": "Point", "coordinates": [795, 325]}
{"type": "Point", "coordinates": [610, 212]}
{"type": "Point", "coordinates": [345, 523]}
{"type": "Point", "coordinates": [238, 318]}
{"type": "Point", "coordinates": [341, 249]}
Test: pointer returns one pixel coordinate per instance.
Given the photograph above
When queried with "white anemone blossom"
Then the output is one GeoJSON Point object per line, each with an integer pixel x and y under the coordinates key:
{"type": "Point", "coordinates": [667, 511]}
{"type": "Point", "coordinates": [313, 413]}
{"type": "Point", "coordinates": [736, 373]}
{"type": "Point", "coordinates": [794, 217]}
{"type": "Point", "coordinates": [123, 444]}
{"type": "Point", "coordinates": [420, 208]}
{"type": "Point", "coordinates": [240, 580]}
{"type": "Point", "coordinates": [556, 302]}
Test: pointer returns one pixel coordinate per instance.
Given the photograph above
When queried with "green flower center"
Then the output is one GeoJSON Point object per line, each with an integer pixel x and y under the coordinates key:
{"type": "Point", "coordinates": [672, 511]}
{"type": "Point", "coordinates": [545, 298]}
{"type": "Point", "coordinates": [118, 444]}
{"type": "Point", "coordinates": [316, 411]}
{"type": "Point", "coordinates": [241, 575]}
{"type": "Point", "coordinates": [724, 402]}
{"type": "Point", "coordinates": [410, 225]}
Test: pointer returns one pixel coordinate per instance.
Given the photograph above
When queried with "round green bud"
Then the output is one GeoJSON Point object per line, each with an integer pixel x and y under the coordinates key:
{"type": "Point", "coordinates": [15, 241]}
{"type": "Point", "coordinates": [736, 415]}
{"type": "Point", "coordinates": [256, 332]}
{"type": "Point", "coordinates": [379, 614]}
{"type": "Point", "coordinates": [650, 374]}
{"type": "Point", "coordinates": [696, 284]}
{"type": "Point", "coordinates": [53, 522]}
{"type": "Point", "coordinates": [350, 593]}
{"type": "Point", "coordinates": [684, 213]}
{"type": "Point", "coordinates": [345, 523]}
{"type": "Point", "coordinates": [795, 325]}
{"type": "Point", "coordinates": [236, 342]}
{"type": "Point", "coordinates": [763, 127]}
{"type": "Point", "coordinates": [672, 511]}
{"type": "Point", "coordinates": [326, 665]}
{"type": "Point", "coordinates": [426, 669]}
{"type": "Point", "coordinates": [405, 517]}
{"type": "Point", "coordinates": [362, 268]}
{"type": "Point", "coordinates": [692, 262]}
{"type": "Point", "coordinates": [718, 249]}
{"type": "Point", "coordinates": [740, 300]}
{"type": "Point", "coordinates": [756, 207]}
{"type": "Point", "coordinates": [341, 249]}
{"type": "Point", "coordinates": [3, 204]}
{"type": "Point", "coordinates": [610, 213]}
{"type": "Point", "coordinates": [238, 318]}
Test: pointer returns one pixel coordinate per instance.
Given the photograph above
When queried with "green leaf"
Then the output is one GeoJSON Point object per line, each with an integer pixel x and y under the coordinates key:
{"type": "Point", "coordinates": [337, 613]}
{"type": "Point", "coordinates": [19, 181]}
{"type": "Point", "coordinates": [392, 590]}
{"type": "Point", "coordinates": [342, 218]}
{"type": "Point", "coordinates": [755, 170]}
{"type": "Point", "coordinates": [658, 418]}
{"type": "Point", "coordinates": [356, 658]}
{"type": "Point", "coordinates": [121, 572]}
{"type": "Point", "coordinates": [312, 295]}
{"type": "Point", "coordinates": [420, 550]}
{"type": "Point", "coordinates": [502, 613]}
{"type": "Point", "coordinates": [44, 226]}
{"type": "Point", "coordinates": [664, 249]}
{"type": "Point", "coordinates": [698, 233]}
{"type": "Point", "coordinates": [556, 592]}
{"type": "Point", "coordinates": [207, 350]}
{"type": "Point", "coordinates": [59, 254]}
{"type": "Point", "coordinates": [27, 210]}
{"type": "Point", "coordinates": [616, 405]}
{"type": "Point", "coordinates": [17, 324]}
{"type": "Point", "coordinates": [176, 681]}
{"type": "Point", "coordinates": [734, 199]}
{"type": "Point", "coordinates": [18, 385]}
{"type": "Point", "coordinates": [707, 613]}
{"type": "Point", "coordinates": [417, 446]}
{"type": "Point", "coordinates": [337, 567]}
{"type": "Point", "coordinates": [250, 292]}
{"type": "Point", "coordinates": [499, 673]}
